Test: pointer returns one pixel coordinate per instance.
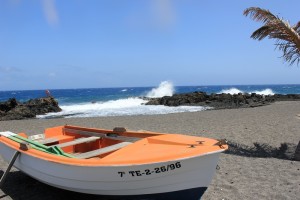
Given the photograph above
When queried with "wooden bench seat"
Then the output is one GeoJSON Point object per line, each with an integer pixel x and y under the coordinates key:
{"type": "Point", "coordinates": [104, 150]}
{"type": "Point", "coordinates": [78, 141]}
{"type": "Point", "coordinates": [112, 136]}
{"type": "Point", "coordinates": [40, 138]}
{"type": "Point", "coordinates": [48, 140]}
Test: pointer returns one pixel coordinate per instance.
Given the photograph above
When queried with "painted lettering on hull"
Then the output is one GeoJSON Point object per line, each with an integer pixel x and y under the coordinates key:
{"type": "Point", "coordinates": [146, 172]}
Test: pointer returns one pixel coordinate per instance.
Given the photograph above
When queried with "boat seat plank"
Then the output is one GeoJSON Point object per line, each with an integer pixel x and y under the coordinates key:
{"type": "Point", "coordinates": [48, 140]}
{"type": "Point", "coordinates": [78, 141]}
{"type": "Point", "coordinates": [104, 150]}
{"type": "Point", "coordinates": [103, 135]}
{"type": "Point", "coordinates": [40, 138]}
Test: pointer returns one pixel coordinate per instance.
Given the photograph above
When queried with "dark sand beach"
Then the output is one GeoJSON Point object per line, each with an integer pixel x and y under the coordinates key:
{"type": "Point", "coordinates": [253, 169]}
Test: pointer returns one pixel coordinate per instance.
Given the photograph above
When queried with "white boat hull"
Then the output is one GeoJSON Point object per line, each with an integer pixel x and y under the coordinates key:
{"type": "Point", "coordinates": [121, 180]}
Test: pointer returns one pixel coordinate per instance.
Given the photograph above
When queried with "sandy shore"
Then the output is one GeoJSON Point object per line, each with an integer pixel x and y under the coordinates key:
{"type": "Point", "coordinates": [246, 172]}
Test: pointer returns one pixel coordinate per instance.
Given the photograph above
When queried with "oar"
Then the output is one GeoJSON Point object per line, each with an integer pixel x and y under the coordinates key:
{"type": "Point", "coordinates": [12, 161]}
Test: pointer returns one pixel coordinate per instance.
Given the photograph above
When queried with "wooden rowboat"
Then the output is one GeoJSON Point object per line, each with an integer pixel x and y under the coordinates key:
{"type": "Point", "coordinates": [120, 163]}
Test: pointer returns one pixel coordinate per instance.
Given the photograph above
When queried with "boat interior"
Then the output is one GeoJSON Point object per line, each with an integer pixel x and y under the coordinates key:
{"type": "Point", "coordinates": [88, 143]}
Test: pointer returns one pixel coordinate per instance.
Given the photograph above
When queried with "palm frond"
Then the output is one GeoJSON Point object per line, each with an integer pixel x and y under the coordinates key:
{"type": "Point", "coordinates": [261, 33]}
{"type": "Point", "coordinates": [259, 14]}
{"type": "Point", "coordinates": [282, 30]}
{"type": "Point", "coordinates": [296, 27]}
{"type": "Point", "coordinates": [287, 37]}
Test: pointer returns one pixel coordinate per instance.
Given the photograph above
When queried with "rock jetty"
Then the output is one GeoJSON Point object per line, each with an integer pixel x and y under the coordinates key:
{"type": "Point", "coordinates": [221, 101]}
{"type": "Point", "coordinates": [15, 110]}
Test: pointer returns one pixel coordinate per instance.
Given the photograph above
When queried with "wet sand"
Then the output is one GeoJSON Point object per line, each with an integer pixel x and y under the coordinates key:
{"type": "Point", "coordinates": [258, 166]}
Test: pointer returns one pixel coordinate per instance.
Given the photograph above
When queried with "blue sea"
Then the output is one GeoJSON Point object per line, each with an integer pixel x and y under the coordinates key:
{"type": "Point", "coordinates": [95, 102]}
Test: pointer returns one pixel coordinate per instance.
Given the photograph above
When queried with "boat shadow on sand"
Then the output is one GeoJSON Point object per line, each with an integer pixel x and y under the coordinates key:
{"type": "Point", "coordinates": [286, 151]}
{"type": "Point", "coordinates": [20, 186]}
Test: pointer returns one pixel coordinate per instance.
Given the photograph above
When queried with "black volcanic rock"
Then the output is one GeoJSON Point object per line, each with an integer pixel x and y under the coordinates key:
{"type": "Point", "coordinates": [8, 105]}
{"type": "Point", "coordinates": [14, 110]}
{"type": "Point", "coordinates": [221, 101]}
{"type": "Point", "coordinates": [287, 97]}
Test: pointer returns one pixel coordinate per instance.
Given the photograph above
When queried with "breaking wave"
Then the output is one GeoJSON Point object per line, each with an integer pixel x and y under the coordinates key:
{"type": "Point", "coordinates": [121, 107]}
{"type": "Point", "coordinates": [236, 91]}
{"type": "Point", "coordinates": [165, 88]}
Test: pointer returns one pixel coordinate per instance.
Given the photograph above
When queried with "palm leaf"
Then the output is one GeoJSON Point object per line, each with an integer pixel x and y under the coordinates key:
{"type": "Point", "coordinates": [259, 14]}
{"type": "Point", "coordinates": [287, 37]}
{"type": "Point", "coordinates": [261, 33]}
{"type": "Point", "coordinates": [296, 27]}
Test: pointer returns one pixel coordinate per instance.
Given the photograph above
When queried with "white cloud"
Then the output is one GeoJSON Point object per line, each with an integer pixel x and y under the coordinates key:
{"type": "Point", "coordinates": [50, 12]}
{"type": "Point", "coordinates": [164, 12]}
{"type": "Point", "coordinates": [158, 14]}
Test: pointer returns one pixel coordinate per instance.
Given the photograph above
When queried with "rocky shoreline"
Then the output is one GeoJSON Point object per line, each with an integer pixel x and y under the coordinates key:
{"type": "Point", "coordinates": [15, 110]}
{"type": "Point", "coordinates": [221, 101]}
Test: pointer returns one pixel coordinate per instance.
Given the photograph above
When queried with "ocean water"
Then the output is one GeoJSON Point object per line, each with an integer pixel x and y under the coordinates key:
{"type": "Point", "coordinates": [94, 102]}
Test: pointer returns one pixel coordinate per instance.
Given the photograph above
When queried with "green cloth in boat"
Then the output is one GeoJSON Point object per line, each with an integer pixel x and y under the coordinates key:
{"type": "Point", "coordinates": [38, 146]}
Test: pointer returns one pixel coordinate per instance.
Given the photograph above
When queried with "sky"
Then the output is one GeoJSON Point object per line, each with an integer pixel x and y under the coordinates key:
{"type": "Point", "coordinates": [52, 44]}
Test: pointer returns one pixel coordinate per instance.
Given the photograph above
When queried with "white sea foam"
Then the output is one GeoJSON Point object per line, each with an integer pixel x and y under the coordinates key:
{"type": "Point", "coordinates": [231, 91]}
{"type": "Point", "coordinates": [236, 91]}
{"type": "Point", "coordinates": [124, 90]}
{"type": "Point", "coordinates": [165, 88]}
{"type": "Point", "coordinates": [264, 92]}
{"type": "Point", "coordinates": [121, 107]}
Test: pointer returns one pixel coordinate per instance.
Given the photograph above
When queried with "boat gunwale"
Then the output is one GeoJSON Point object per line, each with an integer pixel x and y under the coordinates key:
{"type": "Point", "coordinates": [89, 162]}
